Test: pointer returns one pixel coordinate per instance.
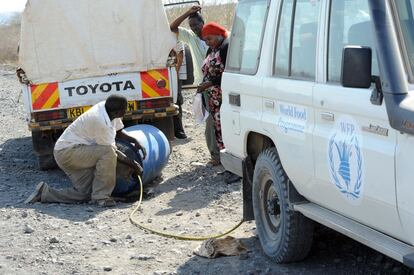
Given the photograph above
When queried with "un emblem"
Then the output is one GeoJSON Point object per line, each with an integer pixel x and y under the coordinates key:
{"type": "Point", "coordinates": [345, 158]}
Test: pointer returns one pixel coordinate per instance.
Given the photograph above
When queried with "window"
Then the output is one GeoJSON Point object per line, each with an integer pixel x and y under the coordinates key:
{"type": "Point", "coordinates": [350, 24]}
{"type": "Point", "coordinates": [296, 40]}
{"type": "Point", "coordinates": [247, 36]}
{"type": "Point", "coordinates": [405, 11]}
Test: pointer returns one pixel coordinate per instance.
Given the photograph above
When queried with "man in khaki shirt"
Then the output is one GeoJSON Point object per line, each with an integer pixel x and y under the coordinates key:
{"type": "Point", "coordinates": [87, 153]}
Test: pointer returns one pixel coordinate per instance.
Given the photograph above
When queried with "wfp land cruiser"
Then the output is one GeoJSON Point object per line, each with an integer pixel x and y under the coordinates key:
{"type": "Point", "coordinates": [318, 118]}
{"type": "Point", "coordinates": [75, 53]}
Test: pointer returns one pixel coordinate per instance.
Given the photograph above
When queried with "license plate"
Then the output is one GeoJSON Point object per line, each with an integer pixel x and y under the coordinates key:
{"type": "Point", "coordinates": [132, 106]}
{"type": "Point", "coordinates": [78, 111]}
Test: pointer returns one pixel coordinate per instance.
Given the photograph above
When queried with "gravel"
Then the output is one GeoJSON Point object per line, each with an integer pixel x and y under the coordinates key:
{"type": "Point", "coordinates": [190, 198]}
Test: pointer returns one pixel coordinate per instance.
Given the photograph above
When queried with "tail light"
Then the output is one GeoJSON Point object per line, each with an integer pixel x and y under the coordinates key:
{"type": "Point", "coordinates": [50, 115]}
{"type": "Point", "coordinates": [155, 103]}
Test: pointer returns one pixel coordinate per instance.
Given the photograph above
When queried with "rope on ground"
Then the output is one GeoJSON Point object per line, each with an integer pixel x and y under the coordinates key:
{"type": "Point", "coordinates": [170, 235]}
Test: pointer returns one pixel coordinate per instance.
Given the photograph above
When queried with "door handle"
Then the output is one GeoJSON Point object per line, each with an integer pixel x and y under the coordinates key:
{"type": "Point", "coordinates": [328, 116]}
{"type": "Point", "coordinates": [234, 99]}
{"type": "Point", "coordinates": [269, 104]}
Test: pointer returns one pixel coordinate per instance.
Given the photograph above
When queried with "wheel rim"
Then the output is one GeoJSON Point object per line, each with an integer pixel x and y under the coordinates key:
{"type": "Point", "coordinates": [270, 208]}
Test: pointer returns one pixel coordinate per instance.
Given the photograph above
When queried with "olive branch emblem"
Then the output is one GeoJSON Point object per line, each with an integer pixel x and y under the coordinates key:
{"type": "Point", "coordinates": [344, 171]}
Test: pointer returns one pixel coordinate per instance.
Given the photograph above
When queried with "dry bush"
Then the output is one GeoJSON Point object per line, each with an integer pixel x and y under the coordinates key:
{"type": "Point", "coordinates": [214, 11]}
{"type": "Point", "coordinates": [9, 40]}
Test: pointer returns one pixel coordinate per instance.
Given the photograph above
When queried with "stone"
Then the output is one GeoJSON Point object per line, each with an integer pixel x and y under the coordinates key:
{"type": "Point", "coordinates": [24, 215]}
{"type": "Point", "coordinates": [54, 240]}
{"type": "Point", "coordinates": [149, 220]}
{"type": "Point", "coordinates": [28, 229]}
{"type": "Point", "coordinates": [128, 237]}
{"type": "Point", "coordinates": [142, 257]}
{"type": "Point", "coordinates": [114, 240]}
{"type": "Point", "coordinates": [179, 214]}
{"type": "Point", "coordinates": [197, 214]}
{"type": "Point", "coordinates": [107, 268]}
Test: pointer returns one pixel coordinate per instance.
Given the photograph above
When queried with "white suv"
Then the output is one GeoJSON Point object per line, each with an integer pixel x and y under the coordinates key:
{"type": "Point", "coordinates": [318, 118]}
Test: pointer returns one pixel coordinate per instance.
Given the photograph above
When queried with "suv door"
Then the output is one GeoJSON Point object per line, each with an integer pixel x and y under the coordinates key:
{"type": "Point", "coordinates": [242, 83]}
{"type": "Point", "coordinates": [354, 145]}
{"type": "Point", "coordinates": [288, 89]}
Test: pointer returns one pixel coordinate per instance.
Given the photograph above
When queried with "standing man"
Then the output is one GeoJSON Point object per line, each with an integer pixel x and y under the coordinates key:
{"type": "Point", "coordinates": [198, 50]}
{"type": "Point", "coordinates": [87, 153]}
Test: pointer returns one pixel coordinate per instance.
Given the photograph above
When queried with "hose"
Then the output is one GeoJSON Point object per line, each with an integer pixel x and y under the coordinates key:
{"type": "Point", "coordinates": [169, 235]}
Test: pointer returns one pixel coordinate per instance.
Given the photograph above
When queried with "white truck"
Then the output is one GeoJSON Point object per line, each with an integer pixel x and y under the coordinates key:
{"type": "Point", "coordinates": [318, 118]}
{"type": "Point", "coordinates": [75, 53]}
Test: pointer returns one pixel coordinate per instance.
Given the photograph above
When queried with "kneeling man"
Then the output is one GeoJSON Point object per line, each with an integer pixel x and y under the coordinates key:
{"type": "Point", "coordinates": [87, 153]}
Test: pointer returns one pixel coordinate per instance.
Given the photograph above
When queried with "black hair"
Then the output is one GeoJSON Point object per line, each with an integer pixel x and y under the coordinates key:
{"type": "Point", "coordinates": [197, 16]}
{"type": "Point", "coordinates": [115, 103]}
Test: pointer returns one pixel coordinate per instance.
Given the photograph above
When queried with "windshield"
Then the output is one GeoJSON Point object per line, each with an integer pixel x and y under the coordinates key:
{"type": "Point", "coordinates": [405, 9]}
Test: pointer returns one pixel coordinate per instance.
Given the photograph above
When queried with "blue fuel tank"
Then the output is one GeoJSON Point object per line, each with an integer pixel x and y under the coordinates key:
{"type": "Point", "coordinates": [157, 146]}
{"type": "Point", "coordinates": [158, 152]}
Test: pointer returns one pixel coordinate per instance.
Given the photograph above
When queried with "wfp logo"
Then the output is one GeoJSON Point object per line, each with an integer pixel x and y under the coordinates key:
{"type": "Point", "coordinates": [345, 160]}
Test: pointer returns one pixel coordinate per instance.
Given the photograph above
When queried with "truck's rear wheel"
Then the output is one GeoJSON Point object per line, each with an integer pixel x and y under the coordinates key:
{"type": "Point", "coordinates": [46, 162]}
{"type": "Point", "coordinates": [285, 235]}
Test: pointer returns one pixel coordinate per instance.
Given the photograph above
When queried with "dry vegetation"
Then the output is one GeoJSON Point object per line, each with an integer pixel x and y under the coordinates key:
{"type": "Point", "coordinates": [215, 11]}
{"type": "Point", "coordinates": [9, 39]}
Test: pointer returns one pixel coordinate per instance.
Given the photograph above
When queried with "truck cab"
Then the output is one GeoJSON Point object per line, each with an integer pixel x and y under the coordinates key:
{"type": "Point", "coordinates": [318, 118]}
{"type": "Point", "coordinates": [83, 51]}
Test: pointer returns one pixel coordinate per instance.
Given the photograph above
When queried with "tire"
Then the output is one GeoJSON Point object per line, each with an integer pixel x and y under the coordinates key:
{"type": "Point", "coordinates": [47, 162]}
{"type": "Point", "coordinates": [285, 235]}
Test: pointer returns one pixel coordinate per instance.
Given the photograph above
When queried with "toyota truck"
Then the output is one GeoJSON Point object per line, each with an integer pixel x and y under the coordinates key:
{"type": "Point", "coordinates": [75, 53]}
{"type": "Point", "coordinates": [318, 119]}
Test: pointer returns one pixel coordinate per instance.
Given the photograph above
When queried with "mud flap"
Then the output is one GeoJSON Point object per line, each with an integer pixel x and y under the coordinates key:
{"type": "Point", "coordinates": [248, 169]}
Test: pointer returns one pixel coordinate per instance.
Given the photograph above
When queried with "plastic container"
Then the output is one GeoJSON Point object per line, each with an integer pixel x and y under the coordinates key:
{"type": "Point", "coordinates": [158, 152]}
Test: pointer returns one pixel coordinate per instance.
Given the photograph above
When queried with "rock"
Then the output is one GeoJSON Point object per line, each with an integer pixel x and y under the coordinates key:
{"type": "Point", "coordinates": [54, 240]}
{"type": "Point", "coordinates": [128, 237]}
{"type": "Point", "coordinates": [107, 268]}
{"type": "Point", "coordinates": [106, 242]}
{"type": "Point", "coordinates": [28, 229]}
{"type": "Point", "coordinates": [197, 214]}
{"type": "Point", "coordinates": [142, 257]}
{"type": "Point", "coordinates": [114, 240]}
{"type": "Point", "coordinates": [179, 214]}
{"type": "Point", "coordinates": [149, 220]}
{"type": "Point", "coordinates": [24, 215]}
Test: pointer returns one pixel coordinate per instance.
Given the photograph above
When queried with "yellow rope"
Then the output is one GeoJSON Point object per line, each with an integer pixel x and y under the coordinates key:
{"type": "Point", "coordinates": [169, 235]}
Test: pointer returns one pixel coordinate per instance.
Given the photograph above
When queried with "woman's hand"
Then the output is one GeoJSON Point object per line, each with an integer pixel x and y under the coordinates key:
{"type": "Point", "coordinates": [204, 86]}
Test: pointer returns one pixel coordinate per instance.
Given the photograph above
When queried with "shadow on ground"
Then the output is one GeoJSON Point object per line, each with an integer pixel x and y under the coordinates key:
{"type": "Point", "coordinates": [331, 253]}
{"type": "Point", "coordinates": [19, 175]}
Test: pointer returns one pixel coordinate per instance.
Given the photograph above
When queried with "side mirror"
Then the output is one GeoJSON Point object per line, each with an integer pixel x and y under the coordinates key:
{"type": "Point", "coordinates": [356, 67]}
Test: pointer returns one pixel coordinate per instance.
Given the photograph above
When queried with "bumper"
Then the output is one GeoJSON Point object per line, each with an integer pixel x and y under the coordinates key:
{"type": "Point", "coordinates": [146, 114]}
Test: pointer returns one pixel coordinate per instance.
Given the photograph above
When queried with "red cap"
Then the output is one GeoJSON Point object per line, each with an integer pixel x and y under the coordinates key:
{"type": "Point", "coordinates": [213, 28]}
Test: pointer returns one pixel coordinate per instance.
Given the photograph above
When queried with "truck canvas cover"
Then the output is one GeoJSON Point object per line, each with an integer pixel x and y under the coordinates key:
{"type": "Point", "coordinates": [63, 40]}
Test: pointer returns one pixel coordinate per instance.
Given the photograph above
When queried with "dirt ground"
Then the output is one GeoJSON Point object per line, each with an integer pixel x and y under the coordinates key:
{"type": "Point", "coordinates": [190, 198]}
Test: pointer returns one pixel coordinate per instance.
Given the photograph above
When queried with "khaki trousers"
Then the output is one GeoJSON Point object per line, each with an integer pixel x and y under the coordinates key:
{"type": "Point", "coordinates": [210, 134]}
{"type": "Point", "coordinates": [92, 170]}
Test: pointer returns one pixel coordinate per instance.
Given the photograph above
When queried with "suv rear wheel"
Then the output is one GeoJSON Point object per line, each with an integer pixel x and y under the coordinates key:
{"type": "Point", "coordinates": [285, 235]}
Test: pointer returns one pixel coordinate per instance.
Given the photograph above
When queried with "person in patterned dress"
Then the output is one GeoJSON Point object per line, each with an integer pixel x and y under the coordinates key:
{"type": "Point", "coordinates": [215, 37]}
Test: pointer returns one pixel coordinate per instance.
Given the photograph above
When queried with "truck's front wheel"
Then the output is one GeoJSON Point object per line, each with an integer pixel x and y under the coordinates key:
{"type": "Point", "coordinates": [285, 235]}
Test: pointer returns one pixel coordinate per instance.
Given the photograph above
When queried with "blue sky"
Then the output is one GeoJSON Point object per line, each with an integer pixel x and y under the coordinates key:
{"type": "Point", "coordinates": [11, 5]}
